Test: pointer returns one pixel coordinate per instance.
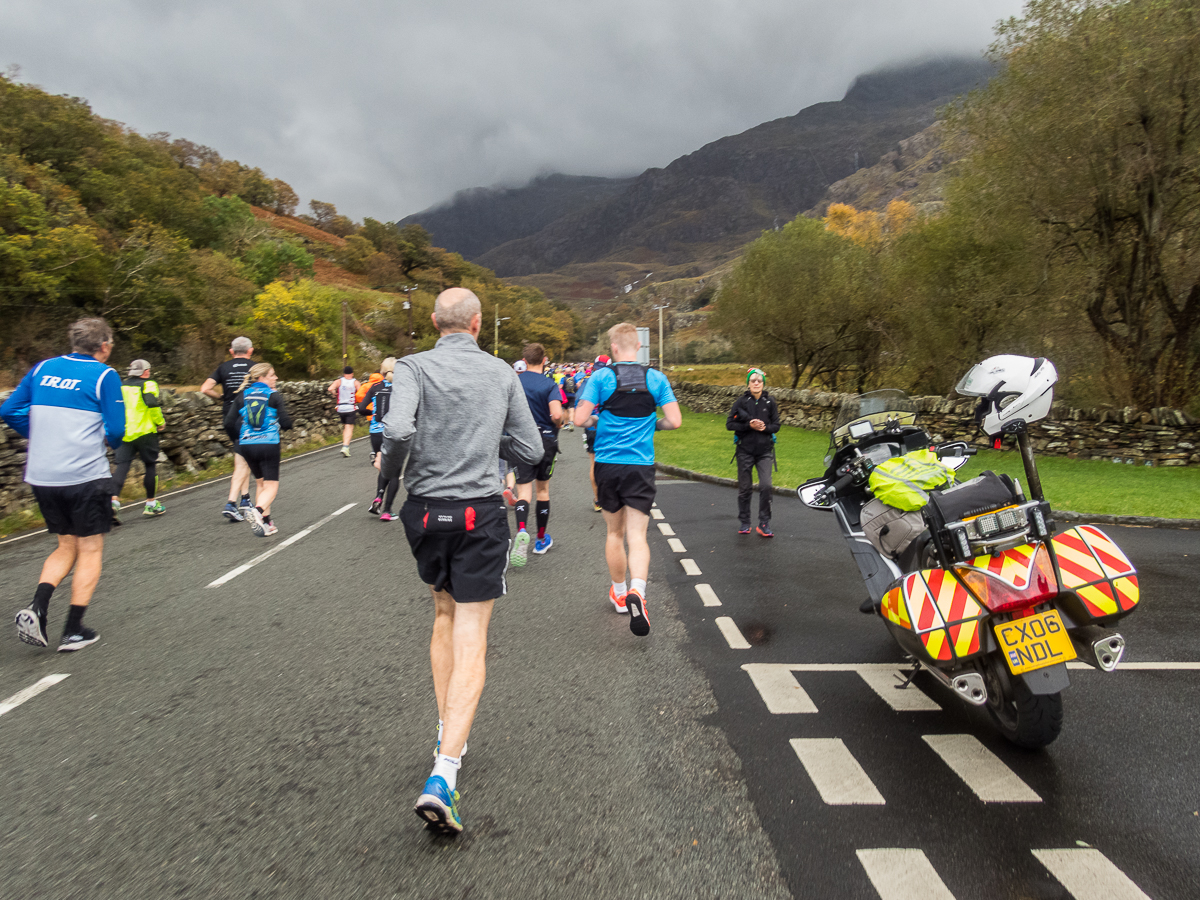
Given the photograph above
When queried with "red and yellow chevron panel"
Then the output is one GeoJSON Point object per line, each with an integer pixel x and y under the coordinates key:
{"type": "Point", "coordinates": [922, 606]}
{"type": "Point", "coordinates": [965, 636]}
{"type": "Point", "coordinates": [1111, 557]}
{"type": "Point", "coordinates": [1075, 560]}
{"type": "Point", "coordinates": [1127, 592]}
{"type": "Point", "coordinates": [1011, 565]}
{"type": "Point", "coordinates": [954, 601]}
{"type": "Point", "coordinates": [936, 644]}
{"type": "Point", "coordinates": [894, 609]}
{"type": "Point", "coordinates": [1099, 599]}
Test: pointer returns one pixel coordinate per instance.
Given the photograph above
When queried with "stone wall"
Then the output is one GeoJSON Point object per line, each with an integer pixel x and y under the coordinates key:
{"type": "Point", "coordinates": [1160, 437]}
{"type": "Point", "coordinates": [193, 439]}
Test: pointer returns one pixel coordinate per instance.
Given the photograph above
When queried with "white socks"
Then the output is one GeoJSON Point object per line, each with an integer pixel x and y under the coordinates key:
{"type": "Point", "coordinates": [619, 588]}
{"type": "Point", "coordinates": [639, 585]}
{"type": "Point", "coordinates": [447, 768]}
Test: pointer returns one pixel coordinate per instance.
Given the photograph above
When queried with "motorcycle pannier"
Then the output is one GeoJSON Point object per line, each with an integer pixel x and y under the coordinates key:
{"type": "Point", "coordinates": [890, 530]}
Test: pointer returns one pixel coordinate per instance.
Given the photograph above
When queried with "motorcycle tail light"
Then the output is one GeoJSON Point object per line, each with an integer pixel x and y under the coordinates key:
{"type": "Point", "coordinates": [999, 596]}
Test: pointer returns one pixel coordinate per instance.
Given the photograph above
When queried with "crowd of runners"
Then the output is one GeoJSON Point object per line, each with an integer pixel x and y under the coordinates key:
{"type": "Point", "coordinates": [463, 475]}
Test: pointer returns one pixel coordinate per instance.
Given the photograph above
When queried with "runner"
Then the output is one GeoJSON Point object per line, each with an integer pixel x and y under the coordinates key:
{"type": "Point", "coordinates": [569, 386]}
{"type": "Point", "coordinates": [257, 414]}
{"type": "Point", "coordinates": [229, 376]}
{"type": "Point", "coordinates": [380, 395]}
{"type": "Point", "coordinates": [143, 423]}
{"type": "Point", "coordinates": [543, 396]}
{"type": "Point", "coordinates": [629, 394]}
{"type": "Point", "coordinates": [344, 389]}
{"type": "Point", "coordinates": [589, 434]}
{"type": "Point", "coordinates": [454, 518]}
{"type": "Point", "coordinates": [68, 407]}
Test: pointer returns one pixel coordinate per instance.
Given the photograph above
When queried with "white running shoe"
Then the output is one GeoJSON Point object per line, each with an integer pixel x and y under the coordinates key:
{"type": "Point", "coordinates": [255, 518]}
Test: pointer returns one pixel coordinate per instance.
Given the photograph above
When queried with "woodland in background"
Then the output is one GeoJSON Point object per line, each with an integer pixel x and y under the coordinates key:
{"type": "Point", "coordinates": [1070, 230]}
{"type": "Point", "coordinates": [181, 250]}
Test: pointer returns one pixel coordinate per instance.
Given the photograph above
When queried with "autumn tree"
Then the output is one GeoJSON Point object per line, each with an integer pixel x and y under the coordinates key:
{"type": "Point", "coordinates": [1092, 133]}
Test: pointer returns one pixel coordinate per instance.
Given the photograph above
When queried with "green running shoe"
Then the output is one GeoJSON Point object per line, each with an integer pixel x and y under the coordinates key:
{"type": "Point", "coordinates": [520, 552]}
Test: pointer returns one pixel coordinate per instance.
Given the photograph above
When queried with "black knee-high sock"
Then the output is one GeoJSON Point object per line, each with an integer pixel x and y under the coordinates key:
{"type": "Point", "coordinates": [74, 618]}
{"type": "Point", "coordinates": [543, 516]}
{"type": "Point", "coordinates": [522, 514]}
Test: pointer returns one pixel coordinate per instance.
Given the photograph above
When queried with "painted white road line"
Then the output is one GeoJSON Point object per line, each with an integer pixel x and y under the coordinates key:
{"type": "Point", "coordinates": [1089, 875]}
{"type": "Point", "coordinates": [262, 557]}
{"type": "Point", "coordinates": [690, 567]}
{"type": "Point", "coordinates": [733, 637]}
{"type": "Point", "coordinates": [707, 594]}
{"type": "Point", "coordinates": [677, 545]}
{"type": "Point", "coordinates": [884, 681]}
{"type": "Point", "coordinates": [665, 529]}
{"type": "Point", "coordinates": [903, 875]}
{"type": "Point", "coordinates": [30, 692]}
{"type": "Point", "coordinates": [984, 773]}
{"type": "Point", "coordinates": [778, 687]}
{"type": "Point", "coordinates": [1145, 666]}
{"type": "Point", "coordinates": [835, 773]}
{"type": "Point", "coordinates": [657, 514]}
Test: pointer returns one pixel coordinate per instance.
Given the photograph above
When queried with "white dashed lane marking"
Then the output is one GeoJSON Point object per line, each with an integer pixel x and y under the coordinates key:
{"type": "Point", "coordinates": [677, 545]}
{"type": "Point", "coordinates": [987, 777]}
{"type": "Point", "coordinates": [30, 692]}
{"type": "Point", "coordinates": [732, 635]}
{"type": "Point", "coordinates": [835, 773]}
{"type": "Point", "coordinates": [262, 557]}
{"type": "Point", "coordinates": [707, 594]}
{"type": "Point", "coordinates": [666, 529]}
{"type": "Point", "coordinates": [779, 688]}
{"type": "Point", "coordinates": [657, 514]}
{"type": "Point", "coordinates": [690, 567]}
{"type": "Point", "coordinates": [1089, 875]}
{"type": "Point", "coordinates": [903, 875]}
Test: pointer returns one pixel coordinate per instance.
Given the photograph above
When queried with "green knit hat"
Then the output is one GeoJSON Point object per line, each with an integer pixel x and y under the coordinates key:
{"type": "Point", "coordinates": [756, 372]}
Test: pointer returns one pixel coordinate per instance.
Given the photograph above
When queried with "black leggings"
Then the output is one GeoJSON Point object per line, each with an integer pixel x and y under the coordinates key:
{"type": "Point", "coordinates": [145, 447]}
{"type": "Point", "coordinates": [382, 485]}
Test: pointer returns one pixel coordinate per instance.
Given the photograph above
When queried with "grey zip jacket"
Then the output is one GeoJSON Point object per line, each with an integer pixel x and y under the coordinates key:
{"type": "Point", "coordinates": [455, 411]}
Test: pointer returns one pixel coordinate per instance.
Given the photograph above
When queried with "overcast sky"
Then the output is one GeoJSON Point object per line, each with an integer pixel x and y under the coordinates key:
{"type": "Point", "coordinates": [386, 107]}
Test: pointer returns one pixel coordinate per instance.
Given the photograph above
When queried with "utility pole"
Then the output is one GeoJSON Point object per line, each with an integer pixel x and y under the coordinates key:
{"type": "Point", "coordinates": [412, 343]}
{"type": "Point", "coordinates": [345, 346]}
{"type": "Point", "coordinates": [496, 334]}
{"type": "Point", "coordinates": [662, 352]}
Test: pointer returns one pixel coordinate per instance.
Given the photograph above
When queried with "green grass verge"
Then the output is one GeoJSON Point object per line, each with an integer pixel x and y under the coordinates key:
{"type": "Point", "coordinates": [1087, 486]}
{"type": "Point", "coordinates": [30, 519]}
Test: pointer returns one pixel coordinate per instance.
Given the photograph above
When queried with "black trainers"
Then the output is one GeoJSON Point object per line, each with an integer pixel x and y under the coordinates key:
{"type": "Point", "coordinates": [31, 627]}
{"type": "Point", "coordinates": [77, 640]}
{"type": "Point", "coordinates": [376, 505]}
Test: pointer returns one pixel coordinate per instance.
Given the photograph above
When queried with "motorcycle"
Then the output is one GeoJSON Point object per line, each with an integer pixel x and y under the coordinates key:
{"type": "Point", "coordinates": [977, 586]}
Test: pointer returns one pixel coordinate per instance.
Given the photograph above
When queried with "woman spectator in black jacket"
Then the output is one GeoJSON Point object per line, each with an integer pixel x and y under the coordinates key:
{"type": "Point", "coordinates": [754, 420]}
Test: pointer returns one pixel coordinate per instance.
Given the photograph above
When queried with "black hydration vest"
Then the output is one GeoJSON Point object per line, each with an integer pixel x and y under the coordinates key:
{"type": "Point", "coordinates": [632, 398]}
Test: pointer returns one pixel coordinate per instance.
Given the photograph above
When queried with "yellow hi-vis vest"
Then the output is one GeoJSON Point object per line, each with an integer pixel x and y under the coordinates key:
{"type": "Point", "coordinates": [140, 419]}
{"type": "Point", "coordinates": [903, 481]}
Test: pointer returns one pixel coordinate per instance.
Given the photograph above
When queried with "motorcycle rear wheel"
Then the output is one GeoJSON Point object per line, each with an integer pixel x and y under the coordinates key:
{"type": "Point", "coordinates": [1026, 719]}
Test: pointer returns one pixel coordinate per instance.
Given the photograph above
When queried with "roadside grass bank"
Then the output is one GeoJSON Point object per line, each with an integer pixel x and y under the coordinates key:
{"type": "Point", "coordinates": [30, 519]}
{"type": "Point", "coordinates": [1095, 487]}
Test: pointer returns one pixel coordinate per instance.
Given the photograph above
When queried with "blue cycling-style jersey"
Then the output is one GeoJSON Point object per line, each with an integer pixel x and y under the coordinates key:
{"type": "Point", "coordinates": [260, 420]}
{"type": "Point", "coordinates": [626, 435]}
{"type": "Point", "coordinates": [68, 407]}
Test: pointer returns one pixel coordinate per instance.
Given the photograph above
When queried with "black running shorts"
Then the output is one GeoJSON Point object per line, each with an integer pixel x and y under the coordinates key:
{"type": "Point", "coordinates": [461, 546]}
{"type": "Point", "coordinates": [349, 418]}
{"type": "Point", "coordinates": [619, 485]}
{"type": "Point", "coordinates": [263, 460]}
{"type": "Point", "coordinates": [145, 447]}
{"type": "Point", "coordinates": [543, 470]}
{"type": "Point", "coordinates": [78, 509]}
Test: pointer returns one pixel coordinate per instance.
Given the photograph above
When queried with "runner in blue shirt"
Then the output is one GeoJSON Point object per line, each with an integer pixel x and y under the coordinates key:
{"type": "Point", "coordinates": [630, 394]}
{"type": "Point", "coordinates": [545, 403]}
{"type": "Point", "coordinates": [69, 407]}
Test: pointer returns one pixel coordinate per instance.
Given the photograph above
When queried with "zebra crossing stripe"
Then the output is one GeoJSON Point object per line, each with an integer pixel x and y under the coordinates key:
{"type": "Point", "coordinates": [903, 875]}
{"type": "Point", "coordinates": [1087, 874]}
{"type": "Point", "coordinates": [835, 773]}
{"type": "Point", "coordinates": [778, 687]}
{"type": "Point", "coordinates": [984, 773]}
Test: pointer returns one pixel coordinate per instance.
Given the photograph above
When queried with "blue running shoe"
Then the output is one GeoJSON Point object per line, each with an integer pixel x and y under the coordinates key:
{"type": "Point", "coordinates": [542, 544]}
{"type": "Point", "coordinates": [438, 806]}
{"type": "Point", "coordinates": [232, 513]}
{"type": "Point", "coordinates": [520, 551]}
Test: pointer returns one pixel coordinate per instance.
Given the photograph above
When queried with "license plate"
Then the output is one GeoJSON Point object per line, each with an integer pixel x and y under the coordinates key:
{"type": "Point", "coordinates": [1034, 642]}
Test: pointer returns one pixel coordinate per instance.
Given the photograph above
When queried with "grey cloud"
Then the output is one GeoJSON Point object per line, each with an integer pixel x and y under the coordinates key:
{"type": "Point", "coordinates": [385, 108]}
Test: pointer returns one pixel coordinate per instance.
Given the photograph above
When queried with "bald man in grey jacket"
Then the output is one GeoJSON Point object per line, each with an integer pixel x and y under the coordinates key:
{"type": "Point", "coordinates": [454, 410]}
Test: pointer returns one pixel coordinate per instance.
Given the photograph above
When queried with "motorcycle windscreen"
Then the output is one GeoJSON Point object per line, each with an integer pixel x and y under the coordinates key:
{"type": "Point", "coordinates": [1097, 571]}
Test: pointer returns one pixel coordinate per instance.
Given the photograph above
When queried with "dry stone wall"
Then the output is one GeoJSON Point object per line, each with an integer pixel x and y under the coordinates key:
{"type": "Point", "coordinates": [1159, 437]}
{"type": "Point", "coordinates": [193, 439]}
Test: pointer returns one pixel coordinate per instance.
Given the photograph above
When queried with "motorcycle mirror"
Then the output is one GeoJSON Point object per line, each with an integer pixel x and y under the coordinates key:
{"type": "Point", "coordinates": [954, 462]}
{"type": "Point", "coordinates": [808, 492]}
{"type": "Point", "coordinates": [954, 454]}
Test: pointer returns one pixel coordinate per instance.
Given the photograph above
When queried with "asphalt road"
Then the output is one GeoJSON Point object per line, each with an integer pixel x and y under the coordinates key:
{"type": "Point", "coordinates": [267, 737]}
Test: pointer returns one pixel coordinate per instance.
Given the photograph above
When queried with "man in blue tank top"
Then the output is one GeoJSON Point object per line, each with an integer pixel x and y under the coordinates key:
{"type": "Point", "coordinates": [630, 394]}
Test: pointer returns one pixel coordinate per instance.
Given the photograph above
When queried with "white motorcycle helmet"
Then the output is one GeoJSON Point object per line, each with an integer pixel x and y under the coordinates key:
{"type": "Point", "coordinates": [1014, 391]}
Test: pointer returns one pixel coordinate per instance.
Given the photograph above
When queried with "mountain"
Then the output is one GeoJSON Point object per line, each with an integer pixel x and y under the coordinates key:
{"type": "Point", "coordinates": [705, 206]}
{"type": "Point", "coordinates": [478, 219]}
